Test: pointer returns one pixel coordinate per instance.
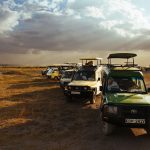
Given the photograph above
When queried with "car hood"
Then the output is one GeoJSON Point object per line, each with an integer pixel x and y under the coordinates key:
{"type": "Point", "coordinates": [129, 98]}
{"type": "Point", "coordinates": [83, 83]}
{"type": "Point", "coordinates": [65, 80]}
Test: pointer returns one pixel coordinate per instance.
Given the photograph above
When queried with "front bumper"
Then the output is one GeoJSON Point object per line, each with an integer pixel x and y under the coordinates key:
{"type": "Point", "coordinates": [79, 93]}
{"type": "Point", "coordinates": [127, 117]}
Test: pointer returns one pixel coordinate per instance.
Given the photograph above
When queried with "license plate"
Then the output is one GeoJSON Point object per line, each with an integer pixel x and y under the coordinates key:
{"type": "Point", "coordinates": [135, 121]}
{"type": "Point", "coordinates": [75, 92]}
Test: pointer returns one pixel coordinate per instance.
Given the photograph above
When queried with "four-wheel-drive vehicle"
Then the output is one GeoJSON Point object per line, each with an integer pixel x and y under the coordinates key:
{"type": "Point", "coordinates": [86, 81]}
{"type": "Point", "coordinates": [51, 73]}
{"type": "Point", "coordinates": [125, 99]}
{"type": "Point", "coordinates": [55, 74]}
{"type": "Point", "coordinates": [48, 70]}
{"type": "Point", "coordinates": [54, 71]}
{"type": "Point", "coordinates": [66, 78]}
{"type": "Point", "coordinates": [44, 72]}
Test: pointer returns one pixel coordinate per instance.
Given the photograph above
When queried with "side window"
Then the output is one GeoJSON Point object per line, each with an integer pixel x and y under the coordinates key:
{"type": "Point", "coordinates": [103, 78]}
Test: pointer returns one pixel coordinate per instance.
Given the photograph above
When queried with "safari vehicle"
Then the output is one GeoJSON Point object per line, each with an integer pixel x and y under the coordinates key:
{"type": "Point", "coordinates": [66, 78]}
{"type": "Point", "coordinates": [56, 70]}
{"type": "Point", "coordinates": [125, 99]}
{"type": "Point", "coordinates": [51, 73]}
{"type": "Point", "coordinates": [55, 74]}
{"type": "Point", "coordinates": [47, 70]}
{"type": "Point", "coordinates": [86, 81]}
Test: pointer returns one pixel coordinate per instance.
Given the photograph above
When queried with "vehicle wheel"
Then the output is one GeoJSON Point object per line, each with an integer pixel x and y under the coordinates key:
{"type": "Point", "coordinates": [107, 128]}
{"type": "Point", "coordinates": [69, 98]}
{"type": "Point", "coordinates": [48, 77]}
{"type": "Point", "coordinates": [93, 99]}
{"type": "Point", "coordinates": [56, 78]}
{"type": "Point", "coordinates": [148, 128]}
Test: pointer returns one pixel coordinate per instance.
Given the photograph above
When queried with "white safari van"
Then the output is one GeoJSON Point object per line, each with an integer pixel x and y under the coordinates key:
{"type": "Point", "coordinates": [86, 81]}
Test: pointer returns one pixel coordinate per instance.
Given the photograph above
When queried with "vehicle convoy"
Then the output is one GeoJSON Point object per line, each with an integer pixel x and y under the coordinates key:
{"type": "Point", "coordinates": [125, 99]}
{"type": "Point", "coordinates": [56, 70]}
{"type": "Point", "coordinates": [66, 78]}
{"type": "Point", "coordinates": [86, 81]}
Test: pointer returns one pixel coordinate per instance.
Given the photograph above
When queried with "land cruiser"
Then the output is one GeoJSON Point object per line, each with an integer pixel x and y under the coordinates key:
{"type": "Point", "coordinates": [53, 73]}
{"type": "Point", "coordinates": [56, 70]}
{"type": "Point", "coordinates": [66, 78]}
{"type": "Point", "coordinates": [86, 81]}
{"type": "Point", "coordinates": [125, 99]}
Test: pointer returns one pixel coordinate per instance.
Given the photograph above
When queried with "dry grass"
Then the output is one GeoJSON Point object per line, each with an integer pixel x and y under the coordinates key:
{"type": "Point", "coordinates": [147, 79]}
{"type": "Point", "coordinates": [32, 107]}
{"type": "Point", "coordinates": [35, 115]}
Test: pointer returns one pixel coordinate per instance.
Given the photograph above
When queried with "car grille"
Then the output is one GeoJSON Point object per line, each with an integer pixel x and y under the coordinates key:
{"type": "Point", "coordinates": [79, 88]}
{"type": "Point", "coordinates": [134, 111]}
{"type": "Point", "coordinates": [66, 83]}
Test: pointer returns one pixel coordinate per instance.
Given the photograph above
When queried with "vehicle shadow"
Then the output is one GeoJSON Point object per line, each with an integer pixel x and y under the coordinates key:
{"type": "Point", "coordinates": [33, 83]}
{"type": "Point", "coordinates": [44, 120]}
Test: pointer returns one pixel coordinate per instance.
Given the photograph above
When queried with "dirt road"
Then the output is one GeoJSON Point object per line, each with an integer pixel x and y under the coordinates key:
{"type": "Point", "coordinates": [35, 116]}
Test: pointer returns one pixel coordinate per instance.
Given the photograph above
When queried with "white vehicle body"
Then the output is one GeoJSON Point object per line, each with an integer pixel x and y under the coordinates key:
{"type": "Point", "coordinates": [66, 78]}
{"type": "Point", "coordinates": [86, 81]}
{"type": "Point", "coordinates": [93, 84]}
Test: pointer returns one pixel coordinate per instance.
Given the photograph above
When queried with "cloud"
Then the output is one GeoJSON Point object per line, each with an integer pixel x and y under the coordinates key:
{"type": "Point", "coordinates": [34, 26]}
{"type": "Point", "coordinates": [94, 12]}
{"type": "Point", "coordinates": [8, 19]}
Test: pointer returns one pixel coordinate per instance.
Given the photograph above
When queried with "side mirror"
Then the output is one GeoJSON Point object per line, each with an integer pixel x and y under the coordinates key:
{"type": "Point", "coordinates": [101, 88]}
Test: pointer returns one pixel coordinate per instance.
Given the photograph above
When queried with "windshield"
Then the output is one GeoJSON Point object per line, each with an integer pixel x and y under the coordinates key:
{"type": "Point", "coordinates": [126, 84]}
{"type": "Point", "coordinates": [84, 75]}
{"type": "Point", "coordinates": [68, 74]}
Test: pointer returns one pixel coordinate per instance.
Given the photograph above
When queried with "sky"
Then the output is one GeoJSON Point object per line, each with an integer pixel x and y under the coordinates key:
{"type": "Point", "coordinates": [43, 32]}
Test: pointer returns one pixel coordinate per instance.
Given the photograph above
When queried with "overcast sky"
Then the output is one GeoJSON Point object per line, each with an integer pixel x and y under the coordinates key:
{"type": "Point", "coordinates": [42, 32]}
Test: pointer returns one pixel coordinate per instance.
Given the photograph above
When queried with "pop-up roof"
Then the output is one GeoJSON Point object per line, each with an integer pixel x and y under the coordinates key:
{"type": "Point", "coordinates": [90, 61]}
{"type": "Point", "coordinates": [123, 56]}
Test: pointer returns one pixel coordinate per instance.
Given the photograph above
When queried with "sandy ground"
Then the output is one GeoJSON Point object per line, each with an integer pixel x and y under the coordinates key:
{"type": "Point", "coordinates": [35, 116]}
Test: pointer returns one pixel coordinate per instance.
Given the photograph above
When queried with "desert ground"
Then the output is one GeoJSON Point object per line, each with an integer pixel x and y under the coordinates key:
{"type": "Point", "coordinates": [34, 115]}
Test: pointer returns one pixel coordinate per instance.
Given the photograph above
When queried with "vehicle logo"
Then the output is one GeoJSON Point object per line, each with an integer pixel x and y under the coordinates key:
{"type": "Point", "coordinates": [134, 111]}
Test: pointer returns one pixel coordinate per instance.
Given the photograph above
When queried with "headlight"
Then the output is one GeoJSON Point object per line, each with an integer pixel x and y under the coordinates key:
{"type": "Point", "coordinates": [111, 109]}
{"type": "Point", "coordinates": [85, 88]}
{"type": "Point", "coordinates": [69, 87]}
{"type": "Point", "coordinates": [65, 88]}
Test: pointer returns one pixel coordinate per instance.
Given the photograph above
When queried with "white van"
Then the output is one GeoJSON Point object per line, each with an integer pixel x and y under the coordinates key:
{"type": "Point", "coordinates": [86, 82]}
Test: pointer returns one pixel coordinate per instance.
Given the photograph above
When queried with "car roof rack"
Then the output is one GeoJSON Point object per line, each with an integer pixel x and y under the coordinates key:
{"type": "Point", "coordinates": [122, 56]}
{"type": "Point", "coordinates": [89, 61]}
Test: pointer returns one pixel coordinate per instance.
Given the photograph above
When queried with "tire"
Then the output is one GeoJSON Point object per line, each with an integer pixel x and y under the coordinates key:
{"type": "Point", "coordinates": [56, 78]}
{"type": "Point", "coordinates": [148, 127]}
{"type": "Point", "coordinates": [48, 77]}
{"type": "Point", "coordinates": [93, 99]}
{"type": "Point", "coordinates": [107, 128]}
{"type": "Point", "coordinates": [147, 130]}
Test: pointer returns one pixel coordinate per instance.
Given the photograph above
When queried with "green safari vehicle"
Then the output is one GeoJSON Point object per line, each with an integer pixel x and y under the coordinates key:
{"type": "Point", "coordinates": [125, 99]}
